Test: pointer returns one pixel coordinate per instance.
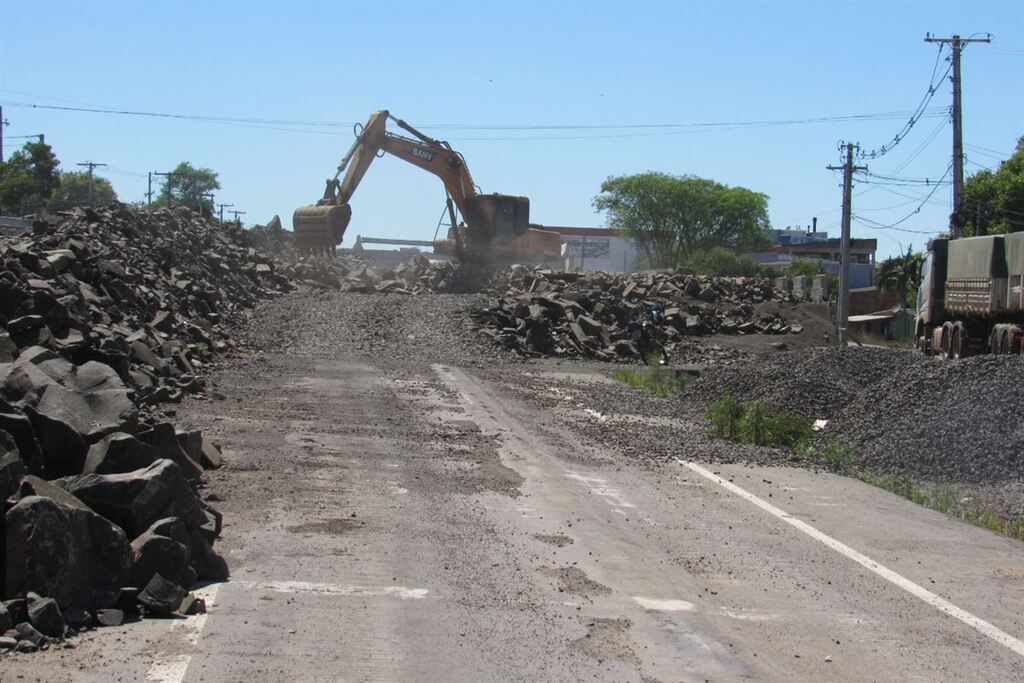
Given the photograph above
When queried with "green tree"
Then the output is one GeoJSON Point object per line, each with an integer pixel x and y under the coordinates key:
{"type": "Point", "coordinates": [671, 217]}
{"type": "Point", "coordinates": [188, 186]}
{"type": "Point", "coordinates": [994, 201]}
{"type": "Point", "coordinates": [74, 191]}
{"type": "Point", "coordinates": [901, 274]}
{"type": "Point", "coordinates": [28, 179]}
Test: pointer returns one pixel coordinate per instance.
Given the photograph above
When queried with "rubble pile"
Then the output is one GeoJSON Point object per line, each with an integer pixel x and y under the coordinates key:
{"type": "Point", "coordinates": [105, 314]}
{"type": "Point", "coordinates": [145, 293]}
{"type": "Point", "coordinates": [549, 313]}
{"type": "Point", "coordinates": [418, 275]}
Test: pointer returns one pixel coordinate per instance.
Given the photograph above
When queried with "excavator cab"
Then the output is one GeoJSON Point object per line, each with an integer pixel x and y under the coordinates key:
{"type": "Point", "coordinates": [496, 218]}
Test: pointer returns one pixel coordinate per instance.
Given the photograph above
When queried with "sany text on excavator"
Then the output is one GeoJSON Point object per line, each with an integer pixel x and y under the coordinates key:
{"type": "Point", "coordinates": [496, 227]}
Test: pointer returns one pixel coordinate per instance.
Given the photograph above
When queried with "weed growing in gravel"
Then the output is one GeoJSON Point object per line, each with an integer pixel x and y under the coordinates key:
{"type": "Point", "coordinates": [947, 499]}
{"type": "Point", "coordinates": [659, 382]}
{"type": "Point", "coordinates": [725, 415]}
{"type": "Point", "coordinates": [758, 423]}
{"type": "Point", "coordinates": [839, 455]}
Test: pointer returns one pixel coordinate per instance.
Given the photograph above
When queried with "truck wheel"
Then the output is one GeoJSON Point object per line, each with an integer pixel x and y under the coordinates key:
{"type": "Point", "coordinates": [945, 335]}
{"type": "Point", "coordinates": [995, 341]}
{"type": "Point", "coordinates": [956, 342]}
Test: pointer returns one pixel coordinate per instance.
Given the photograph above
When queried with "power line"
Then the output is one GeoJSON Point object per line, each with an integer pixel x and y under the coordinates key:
{"type": "Point", "coordinates": [264, 123]}
{"type": "Point", "coordinates": [864, 222]}
{"type": "Point", "coordinates": [915, 117]}
{"type": "Point", "coordinates": [920, 206]}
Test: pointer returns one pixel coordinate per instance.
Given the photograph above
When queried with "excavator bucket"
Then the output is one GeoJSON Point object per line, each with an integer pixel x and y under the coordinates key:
{"type": "Point", "coordinates": [319, 228]}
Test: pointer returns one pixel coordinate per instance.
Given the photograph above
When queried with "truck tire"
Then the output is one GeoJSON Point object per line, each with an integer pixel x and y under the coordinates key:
{"type": "Point", "coordinates": [956, 342]}
{"type": "Point", "coordinates": [945, 335]}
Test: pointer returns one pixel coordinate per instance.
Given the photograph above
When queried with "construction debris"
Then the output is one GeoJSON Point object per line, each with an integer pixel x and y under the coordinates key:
{"type": "Point", "coordinates": [549, 313]}
{"type": "Point", "coordinates": [106, 315]}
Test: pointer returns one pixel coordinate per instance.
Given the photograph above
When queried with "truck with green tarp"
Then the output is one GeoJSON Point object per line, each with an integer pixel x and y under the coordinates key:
{"type": "Point", "coordinates": [971, 296]}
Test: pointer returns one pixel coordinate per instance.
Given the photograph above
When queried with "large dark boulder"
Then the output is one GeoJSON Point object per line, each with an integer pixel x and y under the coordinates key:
{"type": "Point", "coordinates": [135, 500]}
{"type": "Point", "coordinates": [63, 448]}
{"type": "Point", "coordinates": [44, 614]}
{"type": "Point", "coordinates": [70, 554]}
{"type": "Point", "coordinates": [207, 562]}
{"type": "Point", "coordinates": [20, 428]}
{"type": "Point", "coordinates": [162, 437]}
{"type": "Point", "coordinates": [90, 398]}
{"type": "Point", "coordinates": [161, 596]}
{"type": "Point", "coordinates": [12, 468]}
{"type": "Point", "coordinates": [158, 553]}
{"type": "Point", "coordinates": [117, 453]}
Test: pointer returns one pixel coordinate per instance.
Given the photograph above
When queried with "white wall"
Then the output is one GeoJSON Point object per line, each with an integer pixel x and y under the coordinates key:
{"type": "Point", "coordinates": [612, 254]}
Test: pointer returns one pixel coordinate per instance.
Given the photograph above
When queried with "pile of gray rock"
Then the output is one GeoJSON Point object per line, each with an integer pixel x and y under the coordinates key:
{"type": "Point", "coordinates": [104, 315]}
{"type": "Point", "coordinates": [549, 313]}
{"type": "Point", "coordinates": [145, 293]}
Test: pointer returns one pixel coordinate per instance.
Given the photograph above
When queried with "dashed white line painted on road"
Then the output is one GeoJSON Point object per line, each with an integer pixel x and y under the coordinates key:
{"type": "Point", "coordinates": [334, 589]}
{"type": "Point", "coordinates": [943, 605]}
{"type": "Point", "coordinates": [599, 487]}
{"type": "Point", "coordinates": [663, 604]}
{"type": "Point", "coordinates": [172, 668]}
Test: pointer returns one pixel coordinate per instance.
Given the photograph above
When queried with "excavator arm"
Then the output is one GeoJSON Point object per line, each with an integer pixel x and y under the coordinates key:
{"type": "Point", "coordinates": [489, 218]}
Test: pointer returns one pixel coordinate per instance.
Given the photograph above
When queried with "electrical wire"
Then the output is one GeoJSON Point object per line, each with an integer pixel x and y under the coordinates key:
{"type": "Point", "coordinates": [662, 128]}
{"type": "Point", "coordinates": [919, 207]}
{"type": "Point", "coordinates": [916, 116]}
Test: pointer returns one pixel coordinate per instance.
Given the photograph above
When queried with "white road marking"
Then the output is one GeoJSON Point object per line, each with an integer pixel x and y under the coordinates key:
{"type": "Point", "coordinates": [172, 668]}
{"type": "Point", "coordinates": [906, 584]}
{"type": "Point", "coordinates": [611, 495]}
{"type": "Point", "coordinates": [663, 604]}
{"type": "Point", "coordinates": [335, 589]}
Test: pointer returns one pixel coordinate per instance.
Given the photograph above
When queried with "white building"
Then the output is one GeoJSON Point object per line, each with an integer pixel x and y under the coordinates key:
{"type": "Point", "coordinates": [589, 249]}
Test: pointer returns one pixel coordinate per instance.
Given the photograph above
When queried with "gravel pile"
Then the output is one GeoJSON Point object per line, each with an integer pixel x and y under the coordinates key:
{"type": "Point", "coordinates": [902, 412]}
{"type": "Point", "coordinates": [962, 421]}
{"type": "Point", "coordinates": [818, 383]}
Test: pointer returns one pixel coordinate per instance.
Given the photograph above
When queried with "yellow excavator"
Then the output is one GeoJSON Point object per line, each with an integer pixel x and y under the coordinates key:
{"type": "Point", "coordinates": [494, 227]}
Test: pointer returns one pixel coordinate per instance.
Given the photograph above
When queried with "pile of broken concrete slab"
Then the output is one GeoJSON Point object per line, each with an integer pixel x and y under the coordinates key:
{"type": "Point", "coordinates": [106, 314]}
{"type": "Point", "coordinates": [417, 275]}
{"type": "Point", "coordinates": [588, 315]}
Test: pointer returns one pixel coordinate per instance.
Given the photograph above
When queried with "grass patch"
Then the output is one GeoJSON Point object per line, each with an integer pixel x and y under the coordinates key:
{"type": "Point", "coordinates": [757, 423]}
{"type": "Point", "coordinates": [763, 425]}
{"type": "Point", "coordinates": [658, 381]}
{"type": "Point", "coordinates": [946, 498]}
{"type": "Point", "coordinates": [837, 454]}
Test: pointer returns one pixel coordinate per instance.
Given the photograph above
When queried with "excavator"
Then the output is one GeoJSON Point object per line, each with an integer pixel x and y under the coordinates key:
{"type": "Point", "coordinates": [495, 227]}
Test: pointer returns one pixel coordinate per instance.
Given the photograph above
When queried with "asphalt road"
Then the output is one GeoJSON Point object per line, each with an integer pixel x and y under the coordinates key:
{"type": "Point", "coordinates": [396, 521]}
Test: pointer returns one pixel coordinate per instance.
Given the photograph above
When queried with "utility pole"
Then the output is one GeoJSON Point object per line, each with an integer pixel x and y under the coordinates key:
{"type": "Point", "coordinates": [203, 196]}
{"type": "Point", "coordinates": [843, 310]}
{"type": "Point", "coordinates": [170, 176]}
{"type": "Point", "coordinates": [3, 122]}
{"type": "Point", "coordinates": [221, 208]}
{"type": "Point", "coordinates": [149, 189]}
{"type": "Point", "coordinates": [91, 165]}
{"type": "Point", "coordinates": [956, 218]}
{"type": "Point", "coordinates": [236, 214]}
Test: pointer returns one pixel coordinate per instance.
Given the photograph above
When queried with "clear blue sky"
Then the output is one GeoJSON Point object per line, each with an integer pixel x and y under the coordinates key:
{"type": "Point", "coordinates": [515, 64]}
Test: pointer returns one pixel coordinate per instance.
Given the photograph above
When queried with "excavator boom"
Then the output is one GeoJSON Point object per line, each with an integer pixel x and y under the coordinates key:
{"type": "Point", "coordinates": [494, 223]}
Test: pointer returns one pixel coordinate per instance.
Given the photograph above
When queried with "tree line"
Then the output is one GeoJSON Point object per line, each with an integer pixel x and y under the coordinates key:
{"type": "Point", "coordinates": [31, 182]}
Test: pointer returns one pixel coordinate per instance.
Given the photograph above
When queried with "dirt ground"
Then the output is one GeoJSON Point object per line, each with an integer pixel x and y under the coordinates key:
{"type": "Point", "coordinates": [402, 503]}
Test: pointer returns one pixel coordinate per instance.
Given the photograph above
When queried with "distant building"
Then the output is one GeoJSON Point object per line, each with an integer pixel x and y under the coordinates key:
{"type": "Point", "coordinates": [589, 249]}
{"type": "Point", "coordinates": [790, 245]}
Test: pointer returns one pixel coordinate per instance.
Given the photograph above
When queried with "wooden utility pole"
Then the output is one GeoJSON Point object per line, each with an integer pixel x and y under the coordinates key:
{"type": "Point", "coordinates": [149, 188]}
{"type": "Point", "coordinates": [91, 165]}
{"type": "Point", "coordinates": [956, 218]}
{"type": "Point", "coordinates": [3, 122]}
{"type": "Point", "coordinates": [170, 176]}
{"type": "Point", "coordinates": [843, 310]}
{"type": "Point", "coordinates": [221, 207]}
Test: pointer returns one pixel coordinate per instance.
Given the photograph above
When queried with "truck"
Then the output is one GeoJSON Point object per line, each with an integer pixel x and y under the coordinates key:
{"type": "Point", "coordinates": [971, 296]}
